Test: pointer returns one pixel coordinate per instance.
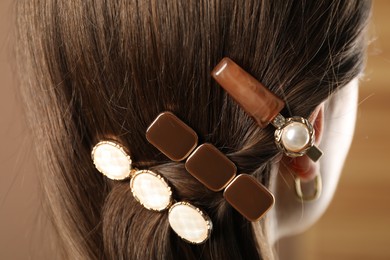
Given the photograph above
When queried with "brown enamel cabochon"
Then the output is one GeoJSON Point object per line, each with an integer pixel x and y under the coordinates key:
{"type": "Point", "coordinates": [172, 136]}
{"type": "Point", "coordinates": [211, 167]}
{"type": "Point", "coordinates": [249, 197]}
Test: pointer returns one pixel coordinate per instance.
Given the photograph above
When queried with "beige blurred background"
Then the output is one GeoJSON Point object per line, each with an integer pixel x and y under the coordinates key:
{"type": "Point", "coordinates": [21, 235]}
{"type": "Point", "coordinates": [356, 226]}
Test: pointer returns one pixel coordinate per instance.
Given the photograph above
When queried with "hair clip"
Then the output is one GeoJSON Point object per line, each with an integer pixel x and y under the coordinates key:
{"type": "Point", "coordinates": [152, 192]}
{"type": "Point", "coordinates": [294, 136]}
{"type": "Point", "coordinates": [209, 166]}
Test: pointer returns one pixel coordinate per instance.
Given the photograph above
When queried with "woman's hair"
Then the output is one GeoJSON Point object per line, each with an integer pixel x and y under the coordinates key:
{"type": "Point", "coordinates": [96, 70]}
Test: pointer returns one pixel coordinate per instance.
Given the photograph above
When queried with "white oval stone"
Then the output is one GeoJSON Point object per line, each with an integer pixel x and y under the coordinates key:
{"type": "Point", "coordinates": [151, 190]}
{"type": "Point", "coordinates": [295, 136]}
{"type": "Point", "coordinates": [189, 222]}
{"type": "Point", "coordinates": [111, 159]}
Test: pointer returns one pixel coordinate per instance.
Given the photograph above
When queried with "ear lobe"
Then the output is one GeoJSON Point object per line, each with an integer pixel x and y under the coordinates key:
{"type": "Point", "coordinates": [303, 167]}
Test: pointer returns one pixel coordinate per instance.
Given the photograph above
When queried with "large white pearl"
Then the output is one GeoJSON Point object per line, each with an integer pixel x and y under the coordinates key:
{"type": "Point", "coordinates": [295, 136]}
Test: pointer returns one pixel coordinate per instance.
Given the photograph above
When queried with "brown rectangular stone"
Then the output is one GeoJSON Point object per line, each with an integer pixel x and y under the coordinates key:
{"type": "Point", "coordinates": [249, 197]}
{"type": "Point", "coordinates": [258, 101]}
{"type": "Point", "coordinates": [172, 136]}
{"type": "Point", "coordinates": [211, 167]}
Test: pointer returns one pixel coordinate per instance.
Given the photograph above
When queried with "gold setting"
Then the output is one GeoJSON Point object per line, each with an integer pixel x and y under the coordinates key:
{"type": "Point", "coordinates": [279, 133]}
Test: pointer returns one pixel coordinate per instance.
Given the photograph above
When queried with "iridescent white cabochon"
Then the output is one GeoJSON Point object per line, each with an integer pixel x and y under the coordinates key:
{"type": "Point", "coordinates": [111, 159]}
{"type": "Point", "coordinates": [151, 190]}
{"type": "Point", "coordinates": [189, 223]}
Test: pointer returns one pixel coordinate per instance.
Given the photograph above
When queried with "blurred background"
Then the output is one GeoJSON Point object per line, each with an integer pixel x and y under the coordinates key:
{"type": "Point", "coordinates": [356, 225]}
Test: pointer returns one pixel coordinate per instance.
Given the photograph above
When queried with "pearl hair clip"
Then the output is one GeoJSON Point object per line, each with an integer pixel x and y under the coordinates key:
{"type": "Point", "coordinates": [152, 192]}
{"type": "Point", "coordinates": [294, 136]}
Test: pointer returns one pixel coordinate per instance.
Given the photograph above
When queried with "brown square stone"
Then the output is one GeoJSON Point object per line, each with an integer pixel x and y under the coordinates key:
{"type": "Point", "coordinates": [249, 197]}
{"type": "Point", "coordinates": [211, 167]}
{"type": "Point", "coordinates": [172, 136]}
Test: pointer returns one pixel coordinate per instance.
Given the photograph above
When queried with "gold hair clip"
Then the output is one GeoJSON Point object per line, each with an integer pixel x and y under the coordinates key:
{"type": "Point", "coordinates": [152, 192]}
{"type": "Point", "coordinates": [294, 136]}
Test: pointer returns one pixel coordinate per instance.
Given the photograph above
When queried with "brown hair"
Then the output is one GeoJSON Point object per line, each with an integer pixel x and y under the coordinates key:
{"type": "Point", "coordinates": [94, 70]}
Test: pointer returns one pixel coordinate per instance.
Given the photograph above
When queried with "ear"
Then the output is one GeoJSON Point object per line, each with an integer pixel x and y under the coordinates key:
{"type": "Point", "coordinates": [303, 166]}
{"type": "Point", "coordinates": [317, 120]}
